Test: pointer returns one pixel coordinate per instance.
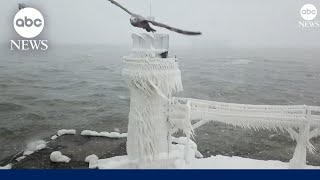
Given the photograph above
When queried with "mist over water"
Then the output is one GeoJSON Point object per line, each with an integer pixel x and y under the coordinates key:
{"type": "Point", "coordinates": [81, 87]}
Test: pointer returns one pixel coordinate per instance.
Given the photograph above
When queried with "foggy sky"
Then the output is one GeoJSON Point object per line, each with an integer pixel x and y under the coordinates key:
{"type": "Point", "coordinates": [245, 23]}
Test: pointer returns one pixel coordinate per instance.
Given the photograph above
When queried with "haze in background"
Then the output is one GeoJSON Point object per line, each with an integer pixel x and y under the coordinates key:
{"type": "Point", "coordinates": [228, 23]}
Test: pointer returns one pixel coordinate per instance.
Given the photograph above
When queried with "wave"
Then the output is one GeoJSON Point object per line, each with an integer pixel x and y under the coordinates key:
{"type": "Point", "coordinates": [10, 107]}
{"type": "Point", "coordinates": [241, 62]}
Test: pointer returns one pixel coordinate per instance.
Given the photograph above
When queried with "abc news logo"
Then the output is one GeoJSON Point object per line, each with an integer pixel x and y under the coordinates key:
{"type": "Point", "coordinates": [308, 12]}
{"type": "Point", "coordinates": [28, 23]}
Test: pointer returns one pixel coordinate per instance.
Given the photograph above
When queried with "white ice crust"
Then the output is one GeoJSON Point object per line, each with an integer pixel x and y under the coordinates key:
{"type": "Point", "coordinates": [57, 156]}
{"type": "Point", "coordinates": [103, 134]}
{"type": "Point", "coordinates": [66, 132]}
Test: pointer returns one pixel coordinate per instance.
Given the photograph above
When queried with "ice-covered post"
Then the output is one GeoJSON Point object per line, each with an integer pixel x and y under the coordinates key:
{"type": "Point", "coordinates": [151, 77]}
{"type": "Point", "coordinates": [302, 138]}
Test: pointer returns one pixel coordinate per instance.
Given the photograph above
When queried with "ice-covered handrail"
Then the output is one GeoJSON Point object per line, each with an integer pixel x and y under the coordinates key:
{"type": "Point", "coordinates": [250, 116]}
{"type": "Point", "coordinates": [271, 117]}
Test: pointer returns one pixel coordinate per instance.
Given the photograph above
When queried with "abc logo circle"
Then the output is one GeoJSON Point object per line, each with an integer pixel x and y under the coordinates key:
{"type": "Point", "coordinates": [308, 12]}
{"type": "Point", "coordinates": [28, 22]}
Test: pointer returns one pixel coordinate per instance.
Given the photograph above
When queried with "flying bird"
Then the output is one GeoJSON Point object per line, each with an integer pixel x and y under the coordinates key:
{"type": "Point", "coordinates": [21, 6]}
{"type": "Point", "coordinates": [141, 22]}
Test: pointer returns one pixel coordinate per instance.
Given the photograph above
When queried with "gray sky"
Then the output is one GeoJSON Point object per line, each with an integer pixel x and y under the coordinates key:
{"type": "Point", "coordinates": [246, 23]}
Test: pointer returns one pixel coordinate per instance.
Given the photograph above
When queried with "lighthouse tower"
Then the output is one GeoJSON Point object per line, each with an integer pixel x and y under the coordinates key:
{"type": "Point", "coordinates": [152, 77]}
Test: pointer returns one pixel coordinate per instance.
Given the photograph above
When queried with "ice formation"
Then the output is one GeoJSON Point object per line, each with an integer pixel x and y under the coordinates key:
{"type": "Point", "coordinates": [34, 146]}
{"type": "Point", "coordinates": [103, 134]}
{"type": "Point", "coordinates": [161, 160]}
{"type": "Point", "coordinates": [57, 156]}
{"type": "Point", "coordinates": [54, 137]}
{"type": "Point", "coordinates": [225, 162]}
{"type": "Point", "coordinates": [91, 157]}
{"type": "Point", "coordinates": [151, 79]}
{"type": "Point", "coordinates": [66, 131]}
{"type": "Point", "coordinates": [20, 158]}
{"type": "Point", "coordinates": [184, 141]}
{"type": "Point", "coordinates": [270, 117]}
{"type": "Point", "coordinates": [8, 166]}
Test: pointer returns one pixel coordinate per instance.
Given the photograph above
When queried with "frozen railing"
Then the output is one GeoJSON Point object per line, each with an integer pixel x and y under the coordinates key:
{"type": "Point", "coordinates": [300, 121]}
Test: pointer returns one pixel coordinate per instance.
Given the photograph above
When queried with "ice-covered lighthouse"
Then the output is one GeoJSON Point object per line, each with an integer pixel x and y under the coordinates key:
{"type": "Point", "coordinates": [152, 77]}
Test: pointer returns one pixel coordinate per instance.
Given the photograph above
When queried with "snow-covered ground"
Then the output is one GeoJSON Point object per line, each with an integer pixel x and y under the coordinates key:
{"type": "Point", "coordinates": [213, 162]}
{"type": "Point", "coordinates": [225, 162]}
{"type": "Point", "coordinates": [176, 160]}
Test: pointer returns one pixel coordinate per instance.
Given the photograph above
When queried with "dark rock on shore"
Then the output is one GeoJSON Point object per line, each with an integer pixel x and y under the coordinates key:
{"type": "Point", "coordinates": [212, 139]}
{"type": "Point", "coordinates": [74, 146]}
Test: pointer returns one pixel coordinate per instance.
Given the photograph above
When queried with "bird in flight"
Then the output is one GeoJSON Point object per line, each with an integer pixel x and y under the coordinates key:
{"type": "Point", "coordinates": [141, 22]}
{"type": "Point", "coordinates": [21, 6]}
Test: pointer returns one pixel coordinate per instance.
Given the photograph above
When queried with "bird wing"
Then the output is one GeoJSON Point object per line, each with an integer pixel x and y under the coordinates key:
{"type": "Point", "coordinates": [174, 29]}
{"type": "Point", "coordinates": [119, 5]}
{"type": "Point", "coordinates": [21, 6]}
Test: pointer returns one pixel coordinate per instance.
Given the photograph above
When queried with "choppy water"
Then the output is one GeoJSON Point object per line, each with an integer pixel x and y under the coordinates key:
{"type": "Point", "coordinates": [81, 87]}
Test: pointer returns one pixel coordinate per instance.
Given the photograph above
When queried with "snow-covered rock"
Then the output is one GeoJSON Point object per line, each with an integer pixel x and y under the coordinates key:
{"type": "Point", "coordinates": [91, 157]}
{"type": "Point", "coordinates": [8, 166]}
{"type": "Point", "coordinates": [117, 135]}
{"type": "Point", "coordinates": [27, 153]}
{"type": "Point", "coordinates": [34, 146]}
{"type": "Point", "coordinates": [54, 137]}
{"type": "Point", "coordinates": [92, 160]}
{"type": "Point", "coordinates": [57, 156]}
{"type": "Point", "coordinates": [89, 133]}
{"type": "Point", "coordinates": [93, 164]}
{"type": "Point", "coordinates": [66, 131]}
{"type": "Point", "coordinates": [20, 158]}
{"type": "Point", "coordinates": [103, 134]}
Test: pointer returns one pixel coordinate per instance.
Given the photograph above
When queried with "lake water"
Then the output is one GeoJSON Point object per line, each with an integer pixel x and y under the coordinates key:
{"type": "Point", "coordinates": [81, 87]}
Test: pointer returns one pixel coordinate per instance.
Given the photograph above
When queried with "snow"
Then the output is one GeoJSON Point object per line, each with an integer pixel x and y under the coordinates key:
{"type": "Point", "coordinates": [66, 131]}
{"type": "Point", "coordinates": [225, 162]}
{"type": "Point", "coordinates": [103, 134]}
{"type": "Point", "coordinates": [27, 153]}
{"type": "Point", "coordinates": [183, 140]}
{"type": "Point", "coordinates": [91, 157]}
{"type": "Point", "coordinates": [92, 160]}
{"type": "Point", "coordinates": [93, 164]}
{"type": "Point", "coordinates": [176, 160]}
{"type": "Point", "coordinates": [117, 135]}
{"type": "Point", "coordinates": [193, 145]}
{"type": "Point", "coordinates": [20, 158]}
{"type": "Point", "coordinates": [54, 137]}
{"type": "Point", "coordinates": [34, 146]}
{"type": "Point", "coordinates": [213, 162]}
{"type": "Point", "coordinates": [8, 166]}
{"type": "Point", "coordinates": [57, 156]}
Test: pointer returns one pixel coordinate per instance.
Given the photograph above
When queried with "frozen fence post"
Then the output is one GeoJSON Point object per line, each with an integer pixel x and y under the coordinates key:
{"type": "Point", "coordinates": [187, 156]}
{"type": "Point", "coordinates": [151, 77]}
{"type": "Point", "coordinates": [302, 139]}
